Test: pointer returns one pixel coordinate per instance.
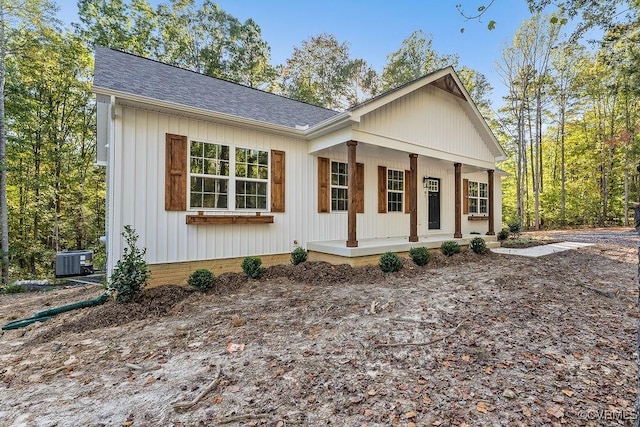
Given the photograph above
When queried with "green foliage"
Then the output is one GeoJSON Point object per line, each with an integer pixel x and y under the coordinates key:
{"type": "Point", "coordinates": [12, 288]}
{"type": "Point", "coordinates": [202, 279]}
{"type": "Point", "coordinates": [503, 234]}
{"type": "Point", "coordinates": [131, 273]}
{"type": "Point", "coordinates": [478, 245]}
{"type": "Point", "coordinates": [420, 256]}
{"type": "Point", "coordinates": [298, 255]}
{"type": "Point", "coordinates": [450, 247]}
{"type": "Point", "coordinates": [252, 267]}
{"type": "Point", "coordinates": [515, 227]}
{"type": "Point", "coordinates": [390, 262]}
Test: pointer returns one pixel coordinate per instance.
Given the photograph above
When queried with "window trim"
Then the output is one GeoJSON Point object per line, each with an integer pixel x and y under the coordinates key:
{"type": "Point", "coordinates": [401, 192]}
{"type": "Point", "coordinates": [232, 179]}
{"type": "Point", "coordinates": [478, 198]}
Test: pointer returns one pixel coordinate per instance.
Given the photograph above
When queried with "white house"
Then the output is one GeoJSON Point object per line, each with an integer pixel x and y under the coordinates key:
{"type": "Point", "coordinates": [208, 171]}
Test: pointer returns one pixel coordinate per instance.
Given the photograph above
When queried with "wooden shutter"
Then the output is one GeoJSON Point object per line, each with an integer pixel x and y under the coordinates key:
{"type": "Point", "coordinates": [359, 188]}
{"type": "Point", "coordinates": [277, 180]}
{"type": "Point", "coordinates": [382, 189]}
{"type": "Point", "coordinates": [175, 185]}
{"type": "Point", "coordinates": [324, 196]}
{"type": "Point", "coordinates": [465, 196]}
{"type": "Point", "coordinates": [407, 191]}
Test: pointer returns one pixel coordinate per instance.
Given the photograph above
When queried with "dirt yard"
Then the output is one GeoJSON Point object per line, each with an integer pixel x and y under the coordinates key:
{"type": "Point", "coordinates": [465, 341]}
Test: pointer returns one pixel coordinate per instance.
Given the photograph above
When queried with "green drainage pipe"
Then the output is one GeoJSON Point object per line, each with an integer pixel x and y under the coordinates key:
{"type": "Point", "coordinates": [48, 314]}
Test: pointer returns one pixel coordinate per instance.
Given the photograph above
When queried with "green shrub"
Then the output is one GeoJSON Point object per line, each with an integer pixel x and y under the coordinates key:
{"type": "Point", "coordinates": [390, 261]}
{"type": "Point", "coordinates": [503, 234]}
{"type": "Point", "coordinates": [478, 245]}
{"type": "Point", "coordinates": [515, 227]}
{"type": "Point", "coordinates": [420, 256]}
{"type": "Point", "coordinates": [252, 267]}
{"type": "Point", "coordinates": [298, 255]}
{"type": "Point", "coordinates": [12, 289]}
{"type": "Point", "coordinates": [131, 273]}
{"type": "Point", "coordinates": [450, 247]}
{"type": "Point", "coordinates": [202, 279]}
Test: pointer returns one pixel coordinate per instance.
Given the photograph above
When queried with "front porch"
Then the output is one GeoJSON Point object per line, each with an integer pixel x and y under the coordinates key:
{"type": "Point", "coordinates": [368, 250]}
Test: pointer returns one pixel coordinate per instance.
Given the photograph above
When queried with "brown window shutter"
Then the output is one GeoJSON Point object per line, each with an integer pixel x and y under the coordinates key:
{"type": "Point", "coordinates": [277, 180]}
{"type": "Point", "coordinates": [324, 196]}
{"type": "Point", "coordinates": [465, 196]}
{"type": "Point", "coordinates": [407, 194]}
{"type": "Point", "coordinates": [175, 186]}
{"type": "Point", "coordinates": [359, 188]}
{"type": "Point", "coordinates": [382, 189]}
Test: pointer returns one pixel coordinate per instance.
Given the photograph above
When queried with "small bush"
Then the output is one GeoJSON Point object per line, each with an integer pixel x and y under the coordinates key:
{"type": "Point", "coordinates": [131, 273]}
{"type": "Point", "coordinates": [390, 262]}
{"type": "Point", "coordinates": [202, 279]}
{"type": "Point", "coordinates": [450, 247]}
{"type": "Point", "coordinates": [503, 234]}
{"type": "Point", "coordinates": [478, 245]}
{"type": "Point", "coordinates": [420, 256]}
{"type": "Point", "coordinates": [515, 227]}
{"type": "Point", "coordinates": [252, 267]}
{"type": "Point", "coordinates": [12, 289]}
{"type": "Point", "coordinates": [298, 255]}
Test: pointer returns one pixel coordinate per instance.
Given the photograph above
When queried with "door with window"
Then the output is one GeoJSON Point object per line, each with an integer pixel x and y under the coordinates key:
{"type": "Point", "coordinates": [433, 202]}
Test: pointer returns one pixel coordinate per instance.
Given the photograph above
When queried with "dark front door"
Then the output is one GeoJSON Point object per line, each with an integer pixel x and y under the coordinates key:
{"type": "Point", "coordinates": [433, 187]}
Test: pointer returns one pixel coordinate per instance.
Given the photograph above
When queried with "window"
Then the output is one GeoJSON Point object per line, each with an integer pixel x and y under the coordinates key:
{"type": "Point", "coordinates": [395, 190]}
{"type": "Point", "coordinates": [209, 167]}
{"type": "Point", "coordinates": [213, 186]}
{"type": "Point", "coordinates": [339, 181]}
{"type": "Point", "coordinates": [478, 197]}
{"type": "Point", "coordinates": [252, 171]}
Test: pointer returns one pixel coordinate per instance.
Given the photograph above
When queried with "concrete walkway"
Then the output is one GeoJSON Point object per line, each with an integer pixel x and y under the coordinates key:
{"type": "Point", "coordinates": [542, 250]}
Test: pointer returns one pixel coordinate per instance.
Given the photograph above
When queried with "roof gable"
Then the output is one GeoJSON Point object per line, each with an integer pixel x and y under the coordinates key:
{"type": "Point", "coordinates": [447, 80]}
{"type": "Point", "coordinates": [126, 74]}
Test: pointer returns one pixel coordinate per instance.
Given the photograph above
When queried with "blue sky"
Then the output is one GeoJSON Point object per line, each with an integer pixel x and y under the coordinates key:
{"type": "Point", "coordinates": [376, 28]}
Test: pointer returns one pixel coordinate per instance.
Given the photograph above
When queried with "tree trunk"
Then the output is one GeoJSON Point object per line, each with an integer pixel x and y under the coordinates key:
{"type": "Point", "coordinates": [4, 217]}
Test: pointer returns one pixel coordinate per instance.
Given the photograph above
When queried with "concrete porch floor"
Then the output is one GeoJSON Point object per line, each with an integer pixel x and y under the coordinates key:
{"type": "Point", "coordinates": [369, 247]}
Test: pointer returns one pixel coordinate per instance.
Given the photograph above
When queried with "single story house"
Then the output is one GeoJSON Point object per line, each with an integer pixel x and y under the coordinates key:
{"type": "Point", "coordinates": [208, 172]}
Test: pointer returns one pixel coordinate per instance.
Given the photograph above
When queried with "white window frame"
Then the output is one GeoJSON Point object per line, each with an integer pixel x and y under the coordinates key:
{"type": "Point", "coordinates": [393, 191]}
{"type": "Point", "coordinates": [340, 186]}
{"type": "Point", "coordinates": [478, 198]}
{"type": "Point", "coordinates": [232, 179]}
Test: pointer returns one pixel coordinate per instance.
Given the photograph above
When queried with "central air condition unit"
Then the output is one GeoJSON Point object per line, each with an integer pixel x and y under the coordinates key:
{"type": "Point", "coordinates": [74, 263]}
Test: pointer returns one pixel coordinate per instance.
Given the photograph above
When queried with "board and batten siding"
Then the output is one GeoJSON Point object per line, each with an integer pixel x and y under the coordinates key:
{"type": "Point", "coordinates": [137, 184]}
{"type": "Point", "coordinates": [429, 117]}
{"type": "Point", "coordinates": [371, 223]}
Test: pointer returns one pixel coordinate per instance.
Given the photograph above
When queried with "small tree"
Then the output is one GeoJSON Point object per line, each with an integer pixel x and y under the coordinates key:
{"type": "Point", "coordinates": [131, 273]}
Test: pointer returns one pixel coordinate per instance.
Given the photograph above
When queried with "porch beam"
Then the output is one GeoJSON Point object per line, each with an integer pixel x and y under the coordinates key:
{"type": "Point", "coordinates": [352, 188]}
{"type": "Point", "coordinates": [491, 231]}
{"type": "Point", "coordinates": [458, 197]}
{"type": "Point", "coordinates": [413, 198]}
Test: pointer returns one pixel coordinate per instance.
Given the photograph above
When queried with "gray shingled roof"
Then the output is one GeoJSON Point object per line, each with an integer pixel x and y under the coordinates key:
{"type": "Point", "coordinates": [123, 72]}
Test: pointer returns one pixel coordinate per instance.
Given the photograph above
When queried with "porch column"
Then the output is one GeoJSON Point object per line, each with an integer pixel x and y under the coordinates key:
{"type": "Point", "coordinates": [458, 195]}
{"type": "Point", "coordinates": [352, 242]}
{"type": "Point", "coordinates": [491, 231]}
{"type": "Point", "coordinates": [413, 198]}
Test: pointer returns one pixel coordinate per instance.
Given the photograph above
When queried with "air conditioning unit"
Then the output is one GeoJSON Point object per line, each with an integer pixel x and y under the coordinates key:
{"type": "Point", "coordinates": [74, 263]}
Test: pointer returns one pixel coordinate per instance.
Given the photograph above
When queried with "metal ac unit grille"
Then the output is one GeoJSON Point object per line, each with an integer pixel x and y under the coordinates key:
{"type": "Point", "coordinates": [74, 263]}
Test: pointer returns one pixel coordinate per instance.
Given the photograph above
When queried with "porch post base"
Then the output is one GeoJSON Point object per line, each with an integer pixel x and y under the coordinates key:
{"type": "Point", "coordinates": [491, 233]}
{"type": "Point", "coordinates": [352, 243]}
{"type": "Point", "coordinates": [457, 235]}
{"type": "Point", "coordinates": [413, 238]}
